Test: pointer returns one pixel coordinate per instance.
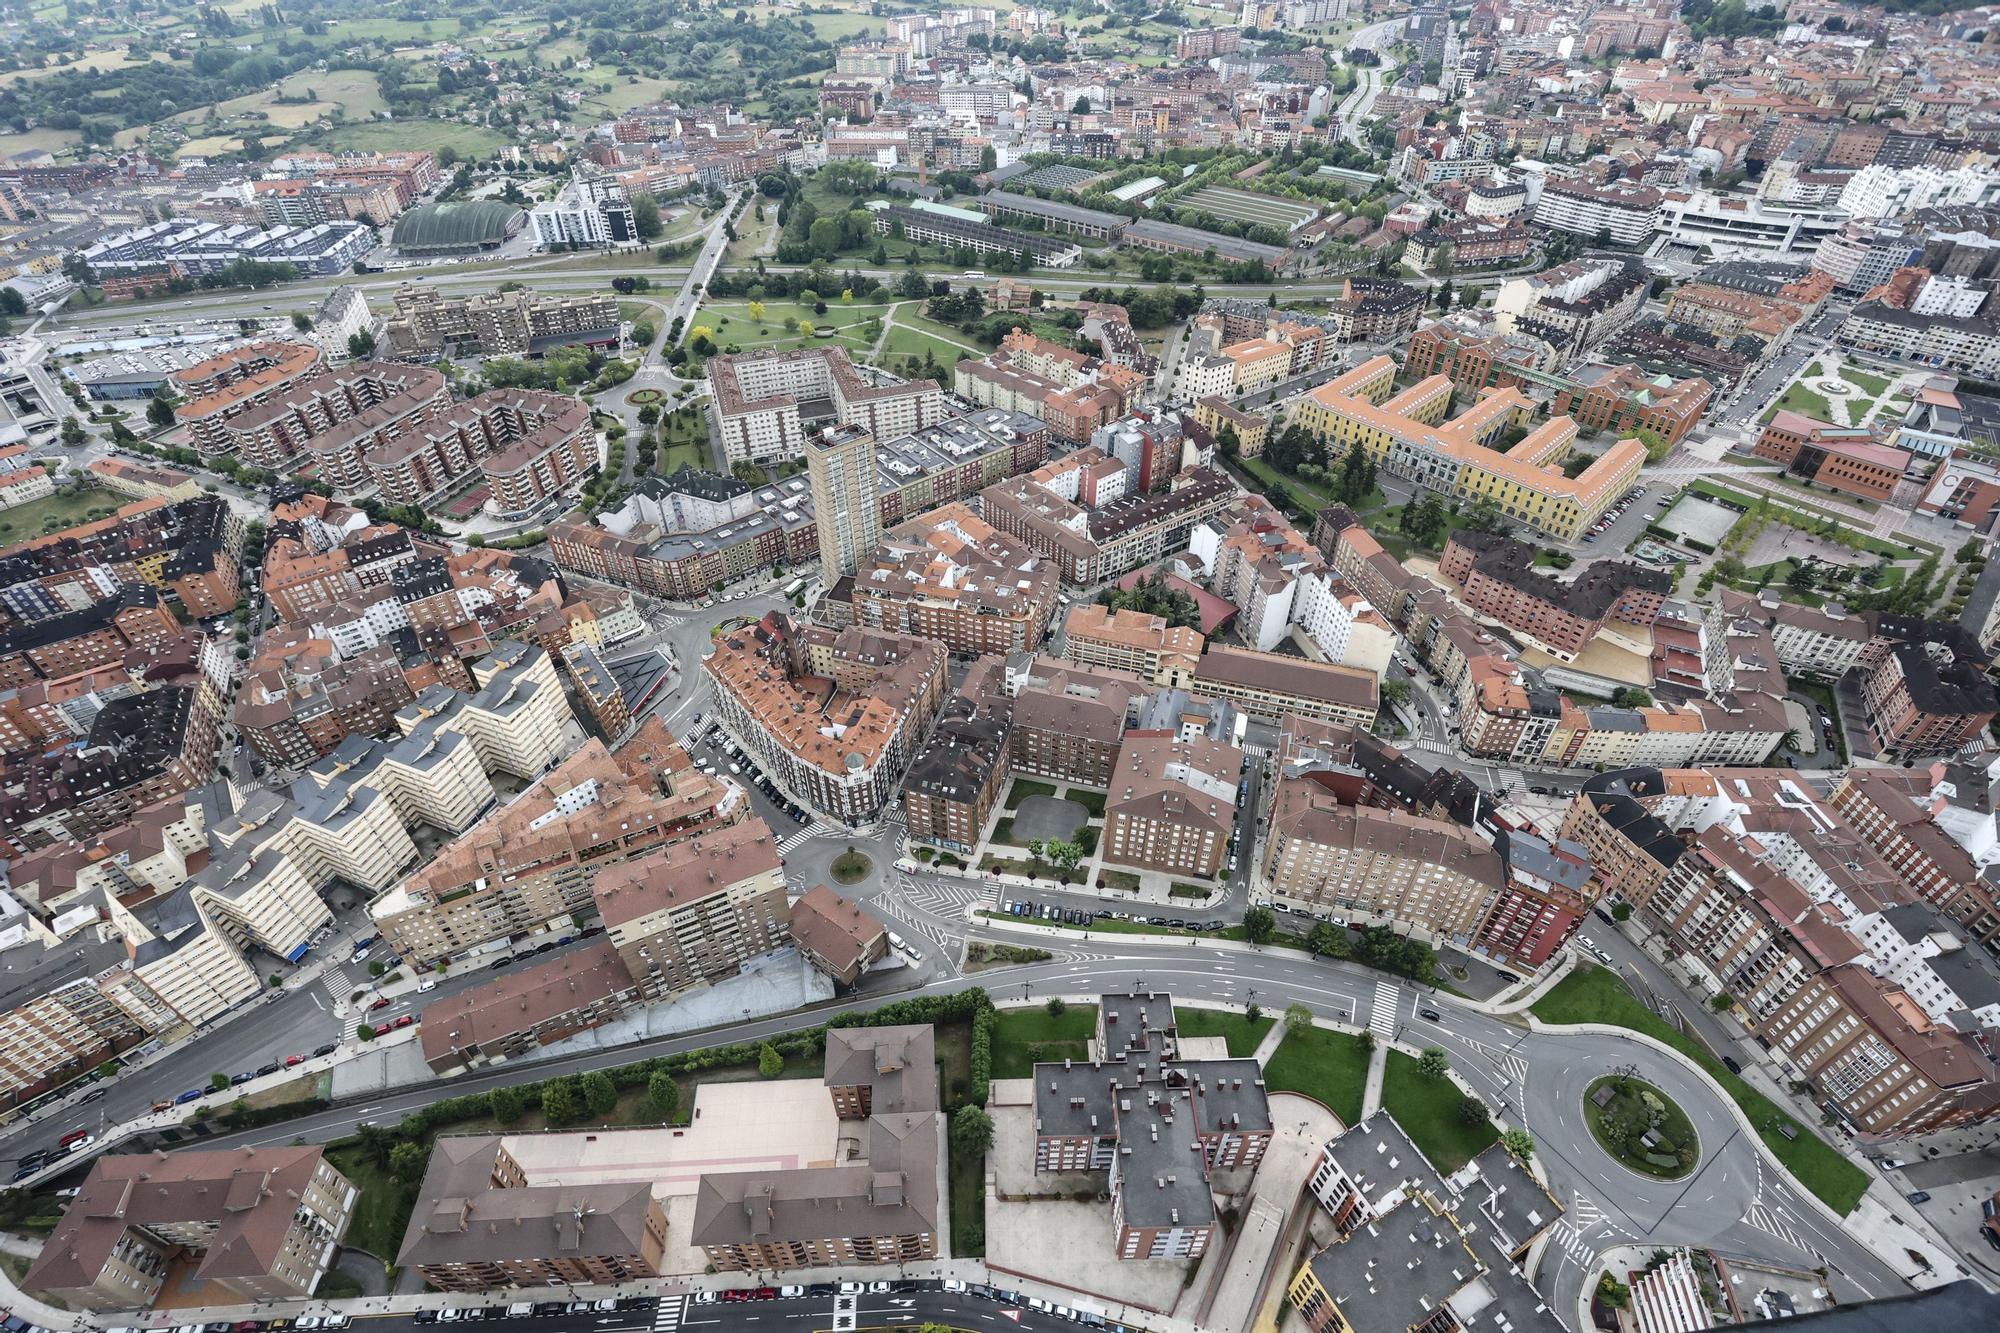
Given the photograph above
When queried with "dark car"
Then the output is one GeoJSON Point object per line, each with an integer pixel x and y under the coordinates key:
{"type": "Point", "coordinates": [327, 1049]}
{"type": "Point", "coordinates": [1430, 1015]}
{"type": "Point", "coordinates": [1730, 1063]}
{"type": "Point", "coordinates": [820, 1289]}
{"type": "Point", "coordinates": [426, 1316]}
{"type": "Point", "coordinates": [548, 1307]}
{"type": "Point", "coordinates": [26, 1169]}
{"type": "Point", "coordinates": [271, 1068]}
{"type": "Point", "coordinates": [500, 962]}
{"type": "Point", "coordinates": [1918, 1196]}
{"type": "Point", "coordinates": [1992, 1236]}
{"type": "Point", "coordinates": [238, 1080]}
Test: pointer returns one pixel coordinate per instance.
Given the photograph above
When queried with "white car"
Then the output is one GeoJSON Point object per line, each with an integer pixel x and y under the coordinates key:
{"type": "Point", "coordinates": [706, 1298]}
{"type": "Point", "coordinates": [790, 1293]}
{"type": "Point", "coordinates": [428, 986]}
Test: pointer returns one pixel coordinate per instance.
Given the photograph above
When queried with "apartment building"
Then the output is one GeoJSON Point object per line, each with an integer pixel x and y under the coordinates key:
{"type": "Point", "coordinates": [1068, 721]}
{"type": "Point", "coordinates": [958, 228]}
{"type": "Point", "coordinates": [235, 381]}
{"type": "Point", "coordinates": [1922, 700]}
{"type": "Point", "coordinates": [835, 716]}
{"type": "Point", "coordinates": [881, 1205]}
{"type": "Point", "coordinates": [1619, 214]}
{"type": "Point", "coordinates": [186, 547]}
{"type": "Point", "coordinates": [956, 779]}
{"type": "Point", "coordinates": [262, 1224]}
{"type": "Point", "coordinates": [1465, 349]}
{"type": "Point", "coordinates": [1414, 1246]}
{"type": "Point", "coordinates": [1858, 988]}
{"type": "Point", "coordinates": [1497, 578]}
{"type": "Point", "coordinates": [332, 419]}
{"type": "Point", "coordinates": [948, 575]}
{"type": "Point", "coordinates": [1133, 641]}
{"type": "Point", "coordinates": [694, 912]}
{"type": "Point", "coordinates": [535, 857]}
{"type": "Point", "coordinates": [528, 1008]}
{"type": "Point", "coordinates": [768, 403]}
{"type": "Point", "coordinates": [1969, 344]}
{"type": "Point", "coordinates": [140, 859]}
{"type": "Point", "coordinates": [1574, 306]}
{"type": "Point", "coordinates": [836, 935]}
{"type": "Point", "coordinates": [1267, 687]}
{"type": "Point", "coordinates": [1899, 812]}
{"type": "Point", "coordinates": [1158, 1123]}
{"type": "Point", "coordinates": [480, 1224]}
{"type": "Point", "coordinates": [70, 643]}
{"type": "Point", "coordinates": [430, 324]}
{"type": "Point", "coordinates": [1172, 804]}
{"type": "Point", "coordinates": [1091, 545]}
{"type": "Point", "coordinates": [1407, 435]}
{"type": "Point", "coordinates": [61, 1035]}
{"type": "Point", "coordinates": [1329, 855]}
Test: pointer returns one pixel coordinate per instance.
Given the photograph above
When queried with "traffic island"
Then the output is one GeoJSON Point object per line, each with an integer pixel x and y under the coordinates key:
{"type": "Point", "coordinates": [851, 867]}
{"type": "Point", "coordinates": [1642, 1127]}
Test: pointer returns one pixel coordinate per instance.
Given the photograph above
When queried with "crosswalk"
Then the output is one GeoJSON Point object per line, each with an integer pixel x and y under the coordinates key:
{"type": "Point", "coordinates": [1568, 1236]}
{"type": "Point", "coordinates": [1773, 1222]}
{"type": "Point", "coordinates": [1512, 1064]}
{"type": "Point", "coordinates": [667, 1317]}
{"type": "Point", "coordinates": [1382, 1019]}
{"type": "Point", "coordinates": [816, 829]}
{"type": "Point", "coordinates": [844, 1314]}
{"type": "Point", "coordinates": [338, 984]}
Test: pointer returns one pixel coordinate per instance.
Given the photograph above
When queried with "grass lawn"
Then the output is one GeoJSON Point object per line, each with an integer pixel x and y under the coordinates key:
{"type": "Point", "coordinates": [1024, 1037]}
{"type": "Point", "coordinates": [1595, 995]}
{"type": "Point", "coordinates": [905, 349]}
{"type": "Point", "coordinates": [1620, 1122]}
{"type": "Point", "coordinates": [1092, 801]}
{"type": "Point", "coordinates": [732, 326]}
{"type": "Point", "coordinates": [1003, 831]}
{"type": "Point", "coordinates": [1329, 1067]}
{"type": "Point", "coordinates": [1427, 1109]}
{"type": "Point", "coordinates": [1872, 385]}
{"type": "Point", "coordinates": [968, 1201]}
{"type": "Point", "coordinates": [1243, 1034]}
{"type": "Point", "coordinates": [382, 1212]}
{"type": "Point", "coordinates": [1799, 398]}
{"type": "Point", "coordinates": [31, 519]}
{"type": "Point", "coordinates": [851, 867]}
{"type": "Point", "coordinates": [1119, 879]}
{"type": "Point", "coordinates": [470, 141]}
{"type": "Point", "coordinates": [1867, 542]}
{"type": "Point", "coordinates": [1023, 789]}
{"type": "Point", "coordinates": [337, 1286]}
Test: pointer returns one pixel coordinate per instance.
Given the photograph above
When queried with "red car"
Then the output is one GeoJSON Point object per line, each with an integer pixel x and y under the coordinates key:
{"type": "Point", "coordinates": [291, 1060]}
{"type": "Point", "coordinates": [404, 1021]}
{"type": "Point", "coordinates": [767, 1293]}
{"type": "Point", "coordinates": [381, 1002]}
{"type": "Point", "coordinates": [73, 1136]}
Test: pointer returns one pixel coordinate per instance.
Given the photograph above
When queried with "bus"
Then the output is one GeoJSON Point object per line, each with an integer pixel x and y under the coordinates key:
{"type": "Point", "coordinates": [795, 587]}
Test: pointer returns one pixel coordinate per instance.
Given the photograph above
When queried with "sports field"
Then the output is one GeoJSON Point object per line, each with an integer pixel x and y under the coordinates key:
{"type": "Point", "coordinates": [1233, 205]}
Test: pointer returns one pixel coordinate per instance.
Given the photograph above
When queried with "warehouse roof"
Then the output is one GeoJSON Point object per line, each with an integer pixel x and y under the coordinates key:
{"type": "Point", "coordinates": [461, 224]}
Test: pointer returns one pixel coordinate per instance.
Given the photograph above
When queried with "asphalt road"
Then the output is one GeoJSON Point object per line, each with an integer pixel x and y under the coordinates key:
{"type": "Point", "coordinates": [908, 1303]}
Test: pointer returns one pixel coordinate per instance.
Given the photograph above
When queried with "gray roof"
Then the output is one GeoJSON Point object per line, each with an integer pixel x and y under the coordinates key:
{"type": "Point", "coordinates": [1228, 247]}
{"type": "Point", "coordinates": [1074, 214]}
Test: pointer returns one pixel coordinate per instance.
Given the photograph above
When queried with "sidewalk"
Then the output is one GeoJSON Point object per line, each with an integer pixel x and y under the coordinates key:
{"type": "Point", "coordinates": [1378, 1069]}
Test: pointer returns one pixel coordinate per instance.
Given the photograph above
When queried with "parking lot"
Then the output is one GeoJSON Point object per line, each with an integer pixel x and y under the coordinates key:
{"type": "Point", "coordinates": [1625, 522]}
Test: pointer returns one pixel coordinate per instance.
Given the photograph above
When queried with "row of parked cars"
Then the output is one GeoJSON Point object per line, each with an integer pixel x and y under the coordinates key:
{"type": "Point", "coordinates": [1611, 515]}
{"type": "Point", "coordinates": [249, 1325]}
{"type": "Point", "coordinates": [743, 767]}
{"type": "Point", "coordinates": [1076, 916]}
{"type": "Point", "coordinates": [459, 1314]}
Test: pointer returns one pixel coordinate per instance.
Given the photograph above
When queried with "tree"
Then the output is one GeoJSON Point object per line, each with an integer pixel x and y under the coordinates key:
{"type": "Point", "coordinates": [408, 1160]}
{"type": "Point", "coordinates": [506, 1103]}
{"type": "Point", "coordinates": [12, 302]}
{"type": "Point", "coordinates": [1395, 690]}
{"type": "Point", "coordinates": [646, 217]}
{"type": "Point", "coordinates": [769, 1063]}
{"type": "Point", "coordinates": [664, 1093]}
{"type": "Point", "coordinates": [1056, 1006]}
{"type": "Point", "coordinates": [361, 345]}
{"type": "Point", "coordinates": [160, 411]}
{"type": "Point", "coordinates": [1365, 1039]}
{"type": "Point", "coordinates": [1064, 855]}
{"type": "Point", "coordinates": [1612, 1293]}
{"type": "Point", "coordinates": [376, 1141]}
{"type": "Point", "coordinates": [1298, 1018]}
{"type": "Point", "coordinates": [1471, 1111]}
{"type": "Point", "coordinates": [218, 1081]}
{"type": "Point", "coordinates": [1253, 1012]}
{"type": "Point", "coordinates": [1080, 107]}
{"type": "Point", "coordinates": [1721, 1000]}
{"type": "Point", "coordinates": [559, 1101]}
{"type": "Point", "coordinates": [1630, 696]}
{"type": "Point", "coordinates": [971, 1130]}
{"type": "Point", "coordinates": [599, 1093]}
{"type": "Point", "coordinates": [302, 321]}
{"type": "Point", "coordinates": [1327, 940]}
{"type": "Point", "coordinates": [1621, 912]}
{"type": "Point", "coordinates": [363, 1031]}
{"type": "Point", "coordinates": [1433, 1062]}
{"type": "Point", "coordinates": [1519, 1142]}
{"type": "Point", "coordinates": [72, 431]}
{"type": "Point", "coordinates": [1259, 925]}
{"type": "Point", "coordinates": [757, 311]}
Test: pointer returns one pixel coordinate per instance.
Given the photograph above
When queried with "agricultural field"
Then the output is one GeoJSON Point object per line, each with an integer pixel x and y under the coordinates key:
{"type": "Point", "coordinates": [1262, 210]}
{"type": "Point", "coordinates": [471, 141]}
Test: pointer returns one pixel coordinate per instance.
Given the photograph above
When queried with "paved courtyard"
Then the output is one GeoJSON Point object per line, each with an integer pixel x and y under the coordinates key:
{"type": "Point", "coordinates": [1048, 817]}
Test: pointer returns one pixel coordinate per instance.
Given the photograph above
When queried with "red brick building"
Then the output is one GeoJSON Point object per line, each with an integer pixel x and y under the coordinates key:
{"type": "Point", "coordinates": [1626, 399]}
{"type": "Point", "coordinates": [1496, 577]}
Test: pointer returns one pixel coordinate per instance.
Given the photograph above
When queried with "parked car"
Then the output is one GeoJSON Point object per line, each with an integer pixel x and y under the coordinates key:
{"type": "Point", "coordinates": [271, 1068]}
{"type": "Point", "coordinates": [327, 1049]}
{"type": "Point", "coordinates": [404, 1021]}
{"type": "Point", "coordinates": [1918, 1196]}
{"type": "Point", "coordinates": [291, 1061]}
{"type": "Point", "coordinates": [76, 1134]}
{"type": "Point", "coordinates": [1730, 1063]}
{"type": "Point", "coordinates": [426, 986]}
{"type": "Point", "coordinates": [191, 1095]}
{"type": "Point", "coordinates": [238, 1080]}
{"type": "Point", "coordinates": [381, 1002]}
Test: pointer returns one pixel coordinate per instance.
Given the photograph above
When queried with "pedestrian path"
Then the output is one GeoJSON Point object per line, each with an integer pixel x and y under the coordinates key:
{"type": "Point", "coordinates": [816, 829]}
{"type": "Point", "coordinates": [1383, 1017]}
{"type": "Point", "coordinates": [1567, 1236]}
{"type": "Point", "coordinates": [668, 1317]}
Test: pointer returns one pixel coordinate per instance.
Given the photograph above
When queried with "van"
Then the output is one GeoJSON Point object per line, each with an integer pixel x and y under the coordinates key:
{"type": "Point", "coordinates": [428, 985]}
{"type": "Point", "coordinates": [896, 941]}
{"type": "Point", "coordinates": [520, 1309]}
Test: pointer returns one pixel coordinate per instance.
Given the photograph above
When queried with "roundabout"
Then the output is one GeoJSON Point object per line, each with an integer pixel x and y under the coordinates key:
{"type": "Point", "coordinates": [1642, 1128]}
{"type": "Point", "coordinates": [851, 867]}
